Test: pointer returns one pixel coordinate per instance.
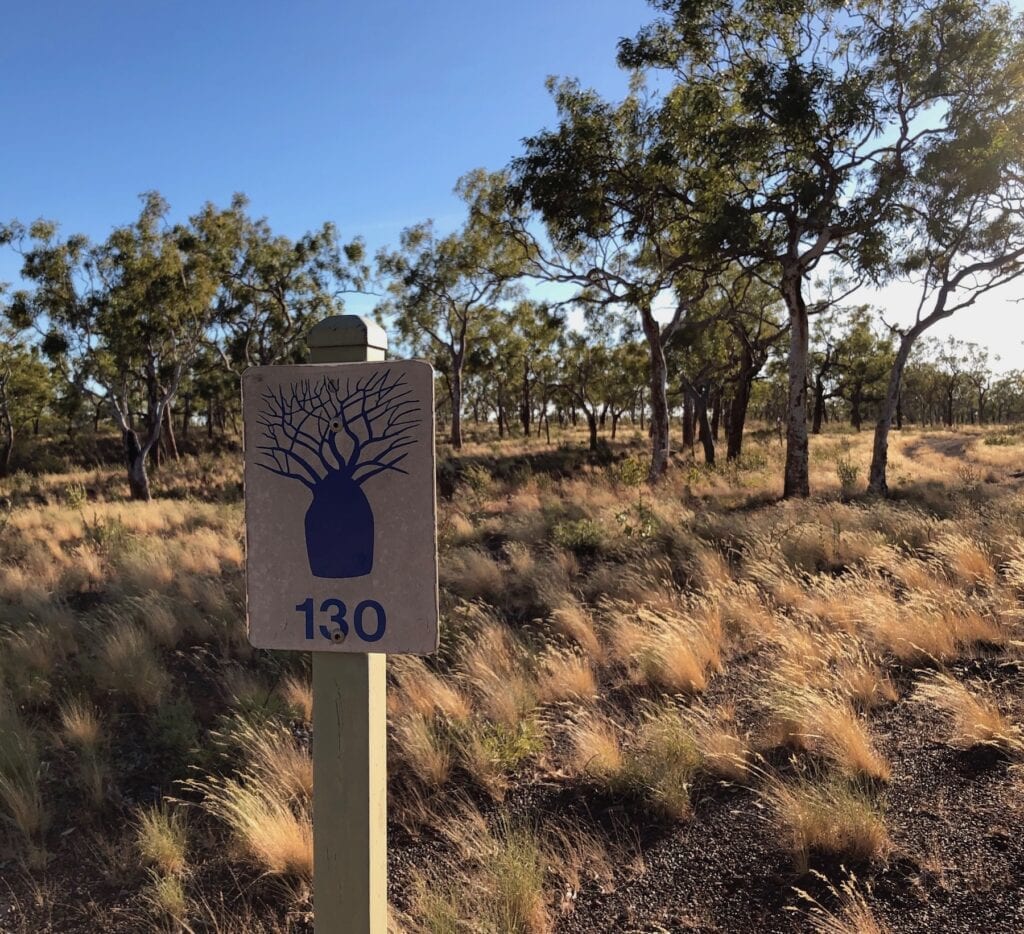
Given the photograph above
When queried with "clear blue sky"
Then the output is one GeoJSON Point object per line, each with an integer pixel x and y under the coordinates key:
{"type": "Point", "coordinates": [363, 113]}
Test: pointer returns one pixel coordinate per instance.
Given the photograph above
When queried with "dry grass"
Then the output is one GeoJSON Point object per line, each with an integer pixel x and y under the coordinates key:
{"type": "Point", "coordinates": [420, 690]}
{"type": "Point", "coordinates": [580, 647]}
{"type": "Point", "coordinates": [21, 798]}
{"type": "Point", "coordinates": [666, 646]}
{"type": "Point", "coordinates": [597, 748]}
{"type": "Point", "coordinates": [162, 837]}
{"type": "Point", "coordinates": [828, 818]}
{"type": "Point", "coordinates": [298, 695]}
{"type": "Point", "coordinates": [565, 675]}
{"type": "Point", "coordinates": [974, 717]}
{"type": "Point", "coordinates": [823, 722]}
{"type": "Point", "coordinates": [424, 750]}
{"type": "Point", "coordinates": [852, 914]}
{"type": "Point", "coordinates": [272, 831]}
{"type": "Point", "coordinates": [127, 664]}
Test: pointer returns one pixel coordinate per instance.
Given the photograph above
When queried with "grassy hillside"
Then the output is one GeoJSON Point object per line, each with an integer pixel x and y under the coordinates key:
{"type": "Point", "coordinates": [697, 708]}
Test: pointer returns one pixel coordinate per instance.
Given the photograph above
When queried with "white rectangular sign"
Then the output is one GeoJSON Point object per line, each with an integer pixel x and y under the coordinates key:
{"type": "Point", "coordinates": [340, 510]}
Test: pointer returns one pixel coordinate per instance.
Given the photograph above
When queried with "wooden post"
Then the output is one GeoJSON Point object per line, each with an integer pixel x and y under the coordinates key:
{"type": "Point", "coordinates": [350, 788]}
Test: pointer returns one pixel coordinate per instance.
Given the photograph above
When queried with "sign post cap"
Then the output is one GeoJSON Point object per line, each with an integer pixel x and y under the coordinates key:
{"type": "Point", "coordinates": [347, 331]}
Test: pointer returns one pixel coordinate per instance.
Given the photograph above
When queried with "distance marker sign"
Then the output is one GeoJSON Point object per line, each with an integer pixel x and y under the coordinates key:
{"type": "Point", "coordinates": [340, 510]}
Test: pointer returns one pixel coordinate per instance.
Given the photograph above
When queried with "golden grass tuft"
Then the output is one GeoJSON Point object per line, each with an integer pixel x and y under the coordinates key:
{"type": "Point", "coordinates": [666, 646]}
{"type": "Point", "coordinates": [423, 691]}
{"type": "Point", "coordinates": [20, 793]}
{"type": "Point", "coordinates": [852, 914]}
{"type": "Point", "coordinates": [425, 752]}
{"type": "Point", "coordinates": [297, 693]}
{"type": "Point", "coordinates": [565, 675]}
{"type": "Point", "coordinates": [276, 757]}
{"type": "Point", "coordinates": [973, 716]}
{"type": "Point", "coordinates": [596, 746]}
{"type": "Point", "coordinates": [574, 621]}
{"type": "Point", "coordinates": [828, 818]}
{"type": "Point", "coordinates": [725, 752]}
{"type": "Point", "coordinates": [273, 831]}
{"type": "Point", "coordinates": [161, 836]}
{"type": "Point", "coordinates": [127, 664]}
{"type": "Point", "coordinates": [807, 717]}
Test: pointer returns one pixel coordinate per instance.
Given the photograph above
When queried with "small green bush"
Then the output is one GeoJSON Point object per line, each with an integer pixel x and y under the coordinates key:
{"type": "Point", "coordinates": [583, 536]}
{"type": "Point", "coordinates": [847, 472]}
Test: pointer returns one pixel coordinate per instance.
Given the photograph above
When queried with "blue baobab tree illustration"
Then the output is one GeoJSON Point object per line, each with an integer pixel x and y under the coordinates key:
{"type": "Point", "coordinates": [333, 435]}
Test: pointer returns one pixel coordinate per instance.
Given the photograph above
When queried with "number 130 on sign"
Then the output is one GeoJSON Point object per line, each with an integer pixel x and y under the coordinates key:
{"type": "Point", "coordinates": [368, 619]}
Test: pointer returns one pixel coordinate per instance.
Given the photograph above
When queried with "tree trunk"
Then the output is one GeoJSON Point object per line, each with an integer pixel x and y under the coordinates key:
{"type": "Point", "coordinates": [527, 411]}
{"type": "Point", "coordinates": [135, 460]}
{"type": "Point", "coordinates": [877, 482]}
{"type": "Point", "coordinates": [168, 432]}
{"type": "Point", "coordinates": [659, 397]}
{"type": "Point", "coordinates": [819, 405]}
{"type": "Point", "coordinates": [716, 416]}
{"type": "Point", "coordinates": [5, 462]}
{"type": "Point", "coordinates": [707, 439]}
{"type": "Point", "coordinates": [855, 403]}
{"type": "Point", "coordinates": [592, 428]}
{"type": "Point", "coordinates": [615, 423]}
{"type": "Point", "coordinates": [455, 392]}
{"type": "Point", "coordinates": [186, 417]}
{"type": "Point", "coordinates": [797, 476]}
{"type": "Point", "coordinates": [738, 412]}
{"type": "Point", "coordinates": [688, 420]}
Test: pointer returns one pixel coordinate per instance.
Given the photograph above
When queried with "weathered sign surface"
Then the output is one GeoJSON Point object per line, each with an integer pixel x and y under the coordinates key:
{"type": "Point", "coordinates": [340, 511]}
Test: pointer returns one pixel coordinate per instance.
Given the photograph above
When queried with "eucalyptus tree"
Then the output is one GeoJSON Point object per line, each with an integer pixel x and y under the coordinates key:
{"type": "Point", "coordinates": [751, 311]}
{"type": "Point", "coordinates": [271, 288]}
{"type": "Point", "coordinates": [966, 201]}
{"type": "Point", "coordinates": [26, 389]}
{"type": "Point", "coordinates": [627, 376]}
{"type": "Point", "coordinates": [699, 356]}
{"type": "Point", "coordinates": [599, 183]}
{"type": "Point", "coordinates": [583, 377]}
{"type": "Point", "coordinates": [445, 289]}
{"type": "Point", "coordinates": [812, 114]}
{"type": "Point", "coordinates": [863, 358]}
{"type": "Point", "coordinates": [979, 375]}
{"type": "Point", "coordinates": [1006, 397]}
{"type": "Point", "coordinates": [123, 319]}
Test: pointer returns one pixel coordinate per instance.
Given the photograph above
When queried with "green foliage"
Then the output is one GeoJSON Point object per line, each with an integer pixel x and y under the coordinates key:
{"type": "Point", "coordinates": [507, 747]}
{"type": "Point", "coordinates": [75, 496]}
{"type": "Point", "coordinates": [477, 478]}
{"type": "Point", "coordinates": [847, 472]}
{"type": "Point", "coordinates": [108, 534]}
{"type": "Point", "coordinates": [174, 732]}
{"type": "Point", "coordinates": [585, 537]}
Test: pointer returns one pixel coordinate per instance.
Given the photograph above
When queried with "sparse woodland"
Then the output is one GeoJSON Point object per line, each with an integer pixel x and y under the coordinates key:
{"type": "Point", "coordinates": [732, 560]}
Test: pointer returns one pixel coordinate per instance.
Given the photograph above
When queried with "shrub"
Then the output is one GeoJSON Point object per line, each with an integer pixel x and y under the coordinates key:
{"type": "Point", "coordinates": [847, 472]}
{"type": "Point", "coordinates": [584, 537]}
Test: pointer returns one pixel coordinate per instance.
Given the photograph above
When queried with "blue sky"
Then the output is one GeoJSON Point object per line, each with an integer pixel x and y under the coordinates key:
{"type": "Point", "coordinates": [361, 113]}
